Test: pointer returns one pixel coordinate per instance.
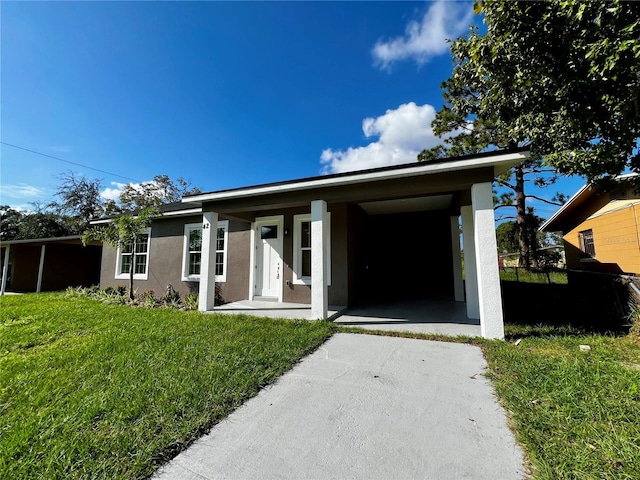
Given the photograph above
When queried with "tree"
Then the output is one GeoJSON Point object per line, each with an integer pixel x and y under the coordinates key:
{"type": "Point", "coordinates": [507, 237]}
{"type": "Point", "coordinates": [515, 179]}
{"type": "Point", "coordinates": [123, 232]}
{"type": "Point", "coordinates": [560, 75]}
{"type": "Point", "coordinates": [10, 221]}
{"type": "Point", "coordinates": [80, 200]}
{"type": "Point", "coordinates": [138, 205]}
{"type": "Point", "coordinates": [16, 225]}
{"type": "Point", "coordinates": [158, 191]}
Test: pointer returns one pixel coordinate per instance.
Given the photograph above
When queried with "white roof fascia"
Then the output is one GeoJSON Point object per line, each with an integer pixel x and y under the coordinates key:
{"type": "Point", "coordinates": [563, 208]}
{"type": "Point", "coordinates": [177, 213]}
{"type": "Point", "coordinates": [41, 240]}
{"type": "Point", "coordinates": [421, 169]}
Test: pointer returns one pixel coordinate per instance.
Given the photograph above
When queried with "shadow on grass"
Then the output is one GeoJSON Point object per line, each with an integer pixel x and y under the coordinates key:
{"type": "Point", "coordinates": [579, 309]}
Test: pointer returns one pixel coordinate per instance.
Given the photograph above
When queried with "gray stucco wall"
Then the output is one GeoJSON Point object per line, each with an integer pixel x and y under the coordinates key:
{"type": "Point", "coordinates": [238, 263]}
{"type": "Point", "coordinates": [165, 260]}
{"type": "Point", "coordinates": [372, 257]}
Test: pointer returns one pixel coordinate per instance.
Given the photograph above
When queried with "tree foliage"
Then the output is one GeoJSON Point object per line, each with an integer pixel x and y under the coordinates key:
{"type": "Point", "coordinates": [124, 230]}
{"type": "Point", "coordinates": [17, 225]}
{"type": "Point", "coordinates": [560, 75]}
{"type": "Point", "coordinates": [158, 191]}
{"type": "Point", "coordinates": [79, 196]}
{"type": "Point", "coordinates": [78, 201]}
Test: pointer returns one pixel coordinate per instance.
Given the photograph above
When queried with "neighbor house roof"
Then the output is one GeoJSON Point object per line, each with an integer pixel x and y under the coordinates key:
{"type": "Point", "coordinates": [500, 161]}
{"type": "Point", "coordinates": [583, 195]}
{"type": "Point", "coordinates": [71, 239]}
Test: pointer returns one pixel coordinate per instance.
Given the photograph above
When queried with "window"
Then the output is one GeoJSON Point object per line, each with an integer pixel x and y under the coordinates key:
{"type": "Point", "coordinates": [125, 255]}
{"type": "Point", "coordinates": [193, 252]}
{"type": "Point", "coordinates": [302, 249]}
{"type": "Point", "coordinates": [587, 244]}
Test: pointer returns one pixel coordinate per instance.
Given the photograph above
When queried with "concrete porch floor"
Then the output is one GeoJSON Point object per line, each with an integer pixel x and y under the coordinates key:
{"type": "Point", "coordinates": [414, 315]}
{"type": "Point", "coordinates": [271, 309]}
{"type": "Point", "coordinates": [443, 317]}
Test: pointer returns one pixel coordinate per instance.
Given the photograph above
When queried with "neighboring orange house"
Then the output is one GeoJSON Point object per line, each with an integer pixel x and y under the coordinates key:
{"type": "Point", "coordinates": [601, 230]}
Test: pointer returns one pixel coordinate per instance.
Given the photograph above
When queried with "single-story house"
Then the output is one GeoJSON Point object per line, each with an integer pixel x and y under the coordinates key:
{"type": "Point", "coordinates": [48, 264]}
{"type": "Point", "coordinates": [341, 239]}
{"type": "Point", "coordinates": [601, 229]}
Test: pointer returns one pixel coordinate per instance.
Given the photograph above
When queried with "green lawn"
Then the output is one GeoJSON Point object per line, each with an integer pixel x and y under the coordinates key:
{"type": "Point", "coordinates": [104, 391]}
{"type": "Point", "coordinates": [576, 413]}
{"type": "Point", "coordinates": [511, 274]}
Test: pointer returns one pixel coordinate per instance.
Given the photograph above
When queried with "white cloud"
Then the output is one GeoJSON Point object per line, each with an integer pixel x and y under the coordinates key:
{"type": "Point", "coordinates": [402, 133]}
{"type": "Point", "coordinates": [113, 193]}
{"type": "Point", "coordinates": [427, 38]}
{"type": "Point", "coordinates": [21, 190]}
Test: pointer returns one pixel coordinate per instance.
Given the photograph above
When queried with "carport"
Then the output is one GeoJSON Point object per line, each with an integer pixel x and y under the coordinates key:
{"type": "Point", "coordinates": [47, 264]}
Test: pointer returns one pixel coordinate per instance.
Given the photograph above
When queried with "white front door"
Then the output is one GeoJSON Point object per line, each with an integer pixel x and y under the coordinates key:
{"type": "Point", "coordinates": [268, 268]}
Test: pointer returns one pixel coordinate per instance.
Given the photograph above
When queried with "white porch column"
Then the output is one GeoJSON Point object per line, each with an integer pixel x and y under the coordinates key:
{"type": "Point", "coordinates": [5, 270]}
{"type": "Point", "coordinates": [41, 269]}
{"type": "Point", "coordinates": [458, 286]}
{"type": "Point", "coordinates": [486, 253]}
{"type": "Point", "coordinates": [207, 291]}
{"type": "Point", "coordinates": [470, 275]}
{"type": "Point", "coordinates": [319, 289]}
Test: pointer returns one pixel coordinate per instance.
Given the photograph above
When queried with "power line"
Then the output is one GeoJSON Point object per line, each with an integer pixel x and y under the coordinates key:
{"type": "Point", "coordinates": [69, 161]}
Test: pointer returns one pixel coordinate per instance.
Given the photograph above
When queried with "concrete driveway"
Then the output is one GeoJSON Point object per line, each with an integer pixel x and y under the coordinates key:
{"type": "Point", "coordinates": [364, 407]}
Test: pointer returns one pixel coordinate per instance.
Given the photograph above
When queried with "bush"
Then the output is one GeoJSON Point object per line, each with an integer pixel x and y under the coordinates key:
{"type": "Point", "coordinates": [147, 299]}
{"type": "Point", "coordinates": [191, 301]}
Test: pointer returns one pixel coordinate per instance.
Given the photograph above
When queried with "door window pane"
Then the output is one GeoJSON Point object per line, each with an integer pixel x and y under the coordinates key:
{"type": "Point", "coordinates": [305, 231]}
{"type": "Point", "coordinates": [268, 232]}
{"type": "Point", "coordinates": [306, 263]}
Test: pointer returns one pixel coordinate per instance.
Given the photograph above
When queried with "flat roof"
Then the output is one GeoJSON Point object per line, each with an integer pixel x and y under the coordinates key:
{"type": "Point", "coordinates": [68, 239]}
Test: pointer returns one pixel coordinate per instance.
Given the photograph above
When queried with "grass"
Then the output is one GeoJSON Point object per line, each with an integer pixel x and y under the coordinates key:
{"type": "Point", "coordinates": [576, 413]}
{"type": "Point", "coordinates": [511, 274]}
{"type": "Point", "coordinates": [106, 391]}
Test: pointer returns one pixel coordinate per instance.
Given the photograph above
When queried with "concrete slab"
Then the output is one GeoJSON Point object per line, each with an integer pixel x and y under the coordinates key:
{"type": "Point", "coordinates": [271, 309]}
{"type": "Point", "coordinates": [422, 316]}
{"type": "Point", "coordinates": [364, 407]}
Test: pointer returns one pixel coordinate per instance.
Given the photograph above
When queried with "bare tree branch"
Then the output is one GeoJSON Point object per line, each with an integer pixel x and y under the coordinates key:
{"type": "Point", "coordinates": [544, 200]}
{"type": "Point", "coordinates": [506, 184]}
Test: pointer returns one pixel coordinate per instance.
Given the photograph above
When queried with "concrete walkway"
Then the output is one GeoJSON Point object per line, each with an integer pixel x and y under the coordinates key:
{"type": "Point", "coordinates": [364, 407]}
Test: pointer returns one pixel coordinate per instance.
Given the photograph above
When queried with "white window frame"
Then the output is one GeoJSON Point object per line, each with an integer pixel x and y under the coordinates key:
{"type": "Point", "coordinates": [224, 224]}
{"type": "Point", "coordinates": [298, 279]}
{"type": "Point", "coordinates": [136, 276]}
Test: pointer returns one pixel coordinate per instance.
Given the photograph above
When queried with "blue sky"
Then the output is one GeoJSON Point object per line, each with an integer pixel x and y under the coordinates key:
{"type": "Point", "coordinates": [224, 94]}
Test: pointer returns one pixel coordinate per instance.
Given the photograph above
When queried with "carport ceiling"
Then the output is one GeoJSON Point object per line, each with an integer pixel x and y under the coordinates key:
{"type": "Point", "coordinates": [403, 205]}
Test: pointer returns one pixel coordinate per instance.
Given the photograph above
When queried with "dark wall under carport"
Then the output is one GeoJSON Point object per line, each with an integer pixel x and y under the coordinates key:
{"type": "Point", "coordinates": [399, 256]}
{"type": "Point", "coordinates": [65, 265]}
